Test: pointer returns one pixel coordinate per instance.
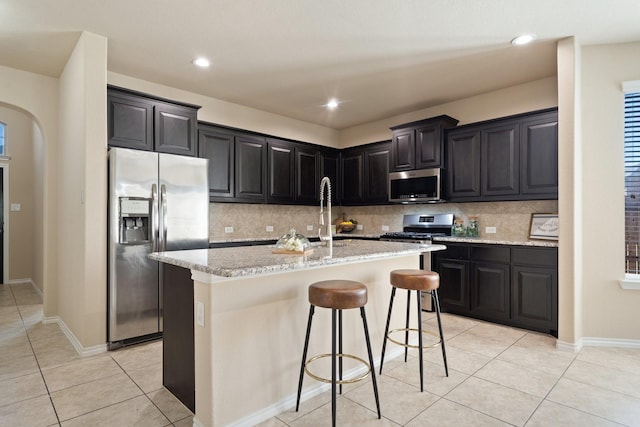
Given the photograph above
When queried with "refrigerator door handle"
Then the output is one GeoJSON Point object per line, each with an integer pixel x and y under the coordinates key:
{"type": "Point", "coordinates": [154, 218]}
{"type": "Point", "coordinates": [163, 228]}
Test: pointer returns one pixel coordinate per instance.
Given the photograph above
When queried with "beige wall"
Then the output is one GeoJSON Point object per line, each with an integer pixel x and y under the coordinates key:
{"type": "Point", "coordinates": [234, 115]}
{"type": "Point", "coordinates": [608, 311]}
{"type": "Point", "coordinates": [38, 96]}
{"type": "Point", "coordinates": [82, 201]}
{"type": "Point", "coordinates": [513, 100]}
{"type": "Point", "coordinates": [20, 230]}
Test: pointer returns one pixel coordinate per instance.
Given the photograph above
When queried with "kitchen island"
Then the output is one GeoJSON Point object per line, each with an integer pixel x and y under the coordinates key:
{"type": "Point", "coordinates": [250, 316]}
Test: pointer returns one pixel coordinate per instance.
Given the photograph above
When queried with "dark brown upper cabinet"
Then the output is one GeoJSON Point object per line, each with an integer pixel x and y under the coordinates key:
{"type": "Point", "coordinates": [539, 155]}
{"type": "Point", "coordinates": [365, 174]}
{"type": "Point", "coordinates": [218, 146]}
{"type": "Point", "coordinates": [141, 122]}
{"type": "Point", "coordinates": [281, 171]}
{"type": "Point", "coordinates": [307, 174]}
{"type": "Point", "coordinates": [419, 145]}
{"type": "Point", "coordinates": [250, 169]}
{"type": "Point", "coordinates": [512, 158]}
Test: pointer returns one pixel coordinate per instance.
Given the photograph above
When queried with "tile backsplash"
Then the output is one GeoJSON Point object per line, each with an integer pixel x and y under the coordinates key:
{"type": "Point", "coordinates": [510, 219]}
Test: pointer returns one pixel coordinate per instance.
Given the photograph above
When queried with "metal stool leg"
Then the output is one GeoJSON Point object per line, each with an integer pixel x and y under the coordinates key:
{"type": "Point", "coordinates": [304, 354]}
{"type": "Point", "coordinates": [419, 303]}
{"type": "Point", "coordinates": [436, 300]}
{"type": "Point", "coordinates": [333, 367]}
{"type": "Point", "coordinates": [373, 371]}
{"type": "Point", "coordinates": [406, 333]}
{"type": "Point", "coordinates": [340, 348]}
{"type": "Point", "coordinates": [386, 329]}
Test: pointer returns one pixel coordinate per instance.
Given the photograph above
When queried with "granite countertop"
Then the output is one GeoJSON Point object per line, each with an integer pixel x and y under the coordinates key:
{"type": "Point", "coordinates": [541, 243]}
{"type": "Point", "coordinates": [255, 260]}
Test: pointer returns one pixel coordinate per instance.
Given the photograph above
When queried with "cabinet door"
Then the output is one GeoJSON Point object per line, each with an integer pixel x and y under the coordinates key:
{"type": "Point", "coordinates": [308, 175]}
{"type": "Point", "coordinates": [251, 165]}
{"type": "Point", "coordinates": [454, 284]}
{"type": "Point", "coordinates": [352, 171]}
{"type": "Point", "coordinates": [534, 298]}
{"type": "Point", "coordinates": [281, 166]}
{"type": "Point", "coordinates": [490, 291]}
{"type": "Point", "coordinates": [403, 149]}
{"type": "Point", "coordinates": [175, 129]}
{"type": "Point", "coordinates": [218, 148]}
{"type": "Point", "coordinates": [463, 164]}
{"type": "Point", "coordinates": [539, 156]}
{"type": "Point", "coordinates": [377, 173]}
{"type": "Point", "coordinates": [129, 121]}
{"type": "Point", "coordinates": [428, 147]}
{"type": "Point", "coordinates": [330, 166]}
{"type": "Point", "coordinates": [500, 161]}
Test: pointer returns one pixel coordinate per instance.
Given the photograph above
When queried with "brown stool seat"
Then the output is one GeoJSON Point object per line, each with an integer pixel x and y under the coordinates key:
{"type": "Point", "coordinates": [338, 294]}
{"type": "Point", "coordinates": [415, 280]}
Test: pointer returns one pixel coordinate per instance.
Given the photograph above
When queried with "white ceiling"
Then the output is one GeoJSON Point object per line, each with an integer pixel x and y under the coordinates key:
{"type": "Point", "coordinates": [379, 58]}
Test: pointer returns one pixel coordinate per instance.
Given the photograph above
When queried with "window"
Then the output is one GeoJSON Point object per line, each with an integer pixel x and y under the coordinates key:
{"type": "Point", "coordinates": [632, 181]}
{"type": "Point", "coordinates": [2, 126]}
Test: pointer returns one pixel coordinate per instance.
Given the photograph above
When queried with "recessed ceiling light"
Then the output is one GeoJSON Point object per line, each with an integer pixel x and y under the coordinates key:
{"type": "Point", "coordinates": [201, 62]}
{"type": "Point", "coordinates": [523, 39]}
{"type": "Point", "coordinates": [332, 104]}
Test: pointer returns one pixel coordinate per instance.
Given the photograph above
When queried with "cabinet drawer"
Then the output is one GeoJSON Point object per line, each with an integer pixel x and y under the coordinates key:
{"type": "Point", "coordinates": [535, 256]}
{"type": "Point", "coordinates": [490, 253]}
{"type": "Point", "coordinates": [454, 252]}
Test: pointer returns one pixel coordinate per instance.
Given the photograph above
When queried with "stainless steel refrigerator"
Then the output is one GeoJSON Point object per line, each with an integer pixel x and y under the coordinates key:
{"type": "Point", "coordinates": [157, 202]}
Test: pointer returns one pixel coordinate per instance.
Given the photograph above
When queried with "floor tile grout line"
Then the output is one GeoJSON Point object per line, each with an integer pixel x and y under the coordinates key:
{"type": "Point", "coordinates": [143, 392]}
{"type": "Point", "coordinates": [53, 406]}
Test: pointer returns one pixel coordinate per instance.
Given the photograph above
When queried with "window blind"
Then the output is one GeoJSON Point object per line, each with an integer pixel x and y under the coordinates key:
{"type": "Point", "coordinates": [632, 181]}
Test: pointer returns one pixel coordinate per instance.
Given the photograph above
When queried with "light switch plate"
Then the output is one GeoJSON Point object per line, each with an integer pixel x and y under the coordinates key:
{"type": "Point", "coordinates": [359, 227]}
{"type": "Point", "coordinates": [490, 230]}
{"type": "Point", "coordinates": [228, 229]}
{"type": "Point", "coordinates": [309, 227]}
{"type": "Point", "coordinates": [385, 228]}
{"type": "Point", "coordinates": [200, 313]}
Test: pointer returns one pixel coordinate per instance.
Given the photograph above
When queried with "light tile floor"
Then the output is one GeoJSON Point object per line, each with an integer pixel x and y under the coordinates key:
{"type": "Point", "coordinates": [498, 376]}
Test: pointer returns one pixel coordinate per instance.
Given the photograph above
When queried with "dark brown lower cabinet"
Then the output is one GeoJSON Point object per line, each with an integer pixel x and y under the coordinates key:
{"type": "Point", "coordinates": [178, 364]}
{"type": "Point", "coordinates": [511, 285]}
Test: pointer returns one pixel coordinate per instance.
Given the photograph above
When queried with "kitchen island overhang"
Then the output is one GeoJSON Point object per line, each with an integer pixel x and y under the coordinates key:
{"type": "Point", "coordinates": [250, 310]}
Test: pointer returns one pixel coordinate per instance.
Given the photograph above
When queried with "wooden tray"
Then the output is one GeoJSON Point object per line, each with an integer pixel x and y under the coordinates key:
{"type": "Point", "coordinates": [285, 251]}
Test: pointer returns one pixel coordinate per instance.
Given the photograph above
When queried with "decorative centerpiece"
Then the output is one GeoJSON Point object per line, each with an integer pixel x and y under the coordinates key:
{"type": "Point", "coordinates": [346, 225]}
{"type": "Point", "coordinates": [293, 243]}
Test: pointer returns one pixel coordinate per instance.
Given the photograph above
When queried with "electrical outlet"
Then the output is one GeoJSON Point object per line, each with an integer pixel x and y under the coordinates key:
{"type": "Point", "coordinates": [269, 228]}
{"type": "Point", "coordinates": [228, 229]}
{"type": "Point", "coordinates": [15, 207]}
{"type": "Point", "coordinates": [359, 227]}
{"type": "Point", "coordinates": [200, 313]}
{"type": "Point", "coordinates": [385, 228]}
{"type": "Point", "coordinates": [490, 230]}
{"type": "Point", "coordinates": [309, 227]}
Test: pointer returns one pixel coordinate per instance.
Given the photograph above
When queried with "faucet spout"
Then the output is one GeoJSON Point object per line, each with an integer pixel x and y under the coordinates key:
{"type": "Point", "coordinates": [325, 183]}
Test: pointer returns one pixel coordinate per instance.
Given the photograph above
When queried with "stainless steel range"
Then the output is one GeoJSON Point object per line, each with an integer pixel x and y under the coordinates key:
{"type": "Point", "coordinates": [421, 228]}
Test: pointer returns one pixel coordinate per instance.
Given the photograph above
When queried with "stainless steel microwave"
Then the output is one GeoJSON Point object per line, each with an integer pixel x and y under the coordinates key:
{"type": "Point", "coordinates": [416, 186]}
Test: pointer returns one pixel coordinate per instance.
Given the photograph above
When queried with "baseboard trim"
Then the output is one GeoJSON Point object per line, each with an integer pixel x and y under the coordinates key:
{"type": "Point", "coordinates": [597, 342]}
{"type": "Point", "coordinates": [28, 280]}
{"type": "Point", "coordinates": [80, 349]}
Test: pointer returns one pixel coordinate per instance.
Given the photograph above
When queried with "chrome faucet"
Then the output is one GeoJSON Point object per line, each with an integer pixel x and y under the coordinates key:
{"type": "Point", "coordinates": [329, 237]}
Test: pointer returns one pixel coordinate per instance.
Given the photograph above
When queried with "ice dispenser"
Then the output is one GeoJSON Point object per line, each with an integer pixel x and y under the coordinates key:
{"type": "Point", "coordinates": [135, 220]}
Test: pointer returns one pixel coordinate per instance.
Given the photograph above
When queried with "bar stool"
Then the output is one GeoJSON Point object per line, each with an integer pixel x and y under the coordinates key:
{"type": "Point", "coordinates": [337, 295]}
{"type": "Point", "coordinates": [419, 281]}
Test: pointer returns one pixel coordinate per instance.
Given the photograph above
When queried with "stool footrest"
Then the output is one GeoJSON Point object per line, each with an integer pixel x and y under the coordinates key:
{"type": "Point", "coordinates": [348, 381]}
{"type": "Point", "coordinates": [437, 343]}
